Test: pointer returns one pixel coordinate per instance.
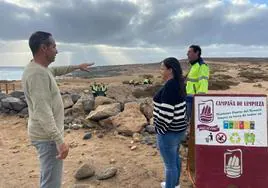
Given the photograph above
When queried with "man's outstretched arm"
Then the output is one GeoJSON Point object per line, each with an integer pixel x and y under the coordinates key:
{"type": "Point", "coordinates": [58, 71]}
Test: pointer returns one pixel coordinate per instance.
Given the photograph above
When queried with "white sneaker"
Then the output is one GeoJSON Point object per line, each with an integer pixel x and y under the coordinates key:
{"type": "Point", "coordinates": [163, 185]}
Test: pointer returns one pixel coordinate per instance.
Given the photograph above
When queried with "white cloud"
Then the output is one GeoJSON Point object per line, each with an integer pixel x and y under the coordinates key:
{"type": "Point", "coordinates": [133, 31]}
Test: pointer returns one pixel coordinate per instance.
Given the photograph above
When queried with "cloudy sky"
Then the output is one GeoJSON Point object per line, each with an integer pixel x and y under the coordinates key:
{"type": "Point", "coordinates": [134, 31]}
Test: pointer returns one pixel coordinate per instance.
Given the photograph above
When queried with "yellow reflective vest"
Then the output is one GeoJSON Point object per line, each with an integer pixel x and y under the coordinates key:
{"type": "Point", "coordinates": [197, 78]}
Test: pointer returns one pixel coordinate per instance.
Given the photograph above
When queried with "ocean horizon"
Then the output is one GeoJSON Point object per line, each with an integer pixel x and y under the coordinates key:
{"type": "Point", "coordinates": [11, 73]}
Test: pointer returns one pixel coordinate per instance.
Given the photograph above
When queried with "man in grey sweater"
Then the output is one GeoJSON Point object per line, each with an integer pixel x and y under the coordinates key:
{"type": "Point", "coordinates": [46, 110]}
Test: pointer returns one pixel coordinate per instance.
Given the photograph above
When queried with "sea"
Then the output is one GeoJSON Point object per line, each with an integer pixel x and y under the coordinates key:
{"type": "Point", "coordinates": [11, 73]}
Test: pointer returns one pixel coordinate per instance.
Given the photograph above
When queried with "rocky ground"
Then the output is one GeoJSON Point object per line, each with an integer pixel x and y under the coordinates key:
{"type": "Point", "coordinates": [112, 140]}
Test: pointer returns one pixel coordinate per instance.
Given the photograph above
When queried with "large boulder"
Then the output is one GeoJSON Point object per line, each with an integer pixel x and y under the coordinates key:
{"type": "Point", "coordinates": [122, 94]}
{"type": "Point", "coordinates": [104, 111]}
{"type": "Point", "coordinates": [13, 103]}
{"type": "Point", "coordinates": [101, 100]}
{"type": "Point", "coordinates": [88, 102]}
{"type": "Point", "coordinates": [77, 110]}
{"type": "Point", "coordinates": [150, 91]}
{"type": "Point", "coordinates": [147, 108]}
{"type": "Point", "coordinates": [75, 97]}
{"type": "Point", "coordinates": [24, 111]}
{"type": "Point", "coordinates": [67, 101]}
{"type": "Point", "coordinates": [106, 124]}
{"type": "Point", "coordinates": [2, 96]}
{"type": "Point", "coordinates": [84, 105]}
{"type": "Point", "coordinates": [17, 94]}
{"type": "Point", "coordinates": [131, 120]}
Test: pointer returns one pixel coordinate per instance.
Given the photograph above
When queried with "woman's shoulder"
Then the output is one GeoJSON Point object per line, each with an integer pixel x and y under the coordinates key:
{"type": "Point", "coordinates": [172, 84]}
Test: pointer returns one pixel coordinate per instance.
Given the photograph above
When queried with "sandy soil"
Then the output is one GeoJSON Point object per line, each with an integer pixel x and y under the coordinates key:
{"type": "Point", "coordinates": [139, 168]}
{"type": "Point", "coordinates": [136, 169]}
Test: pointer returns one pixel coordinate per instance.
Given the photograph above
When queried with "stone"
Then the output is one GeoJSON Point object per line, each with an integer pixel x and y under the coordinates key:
{"type": "Point", "coordinates": [2, 96]}
{"type": "Point", "coordinates": [154, 153]}
{"type": "Point", "coordinates": [77, 121]}
{"type": "Point", "coordinates": [151, 121]}
{"type": "Point", "coordinates": [73, 144]}
{"type": "Point", "coordinates": [75, 97]}
{"type": "Point", "coordinates": [88, 102]}
{"type": "Point", "coordinates": [87, 136]}
{"type": "Point", "coordinates": [68, 119]}
{"type": "Point", "coordinates": [112, 161]}
{"type": "Point", "coordinates": [77, 109]}
{"type": "Point", "coordinates": [84, 105]}
{"type": "Point", "coordinates": [130, 121]}
{"type": "Point", "coordinates": [84, 171]}
{"type": "Point", "coordinates": [13, 103]}
{"type": "Point", "coordinates": [147, 108]}
{"type": "Point", "coordinates": [24, 112]}
{"type": "Point", "coordinates": [76, 126]}
{"type": "Point", "coordinates": [68, 112]}
{"type": "Point", "coordinates": [133, 148]}
{"type": "Point", "coordinates": [87, 124]}
{"type": "Point", "coordinates": [120, 93]}
{"type": "Point", "coordinates": [17, 94]}
{"type": "Point", "coordinates": [101, 100]}
{"type": "Point", "coordinates": [150, 129]}
{"type": "Point", "coordinates": [137, 137]}
{"type": "Point", "coordinates": [149, 140]}
{"type": "Point", "coordinates": [104, 111]}
{"type": "Point", "coordinates": [100, 135]}
{"type": "Point", "coordinates": [108, 173]}
{"type": "Point", "coordinates": [106, 124]}
{"type": "Point", "coordinates": [67, 101]}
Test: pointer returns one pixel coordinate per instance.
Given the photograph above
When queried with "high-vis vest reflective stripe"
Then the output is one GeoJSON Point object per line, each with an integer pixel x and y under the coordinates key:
{"type": "Point", "coordinates": [197, 79]}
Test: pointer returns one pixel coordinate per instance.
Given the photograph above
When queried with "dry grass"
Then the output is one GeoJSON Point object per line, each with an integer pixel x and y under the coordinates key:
{"type": "Point", "coordinates": [222, 77]}
{"type": "Point", "coordinates": [259, 85]}
{"type": "Point", "coordinates": [147, 76]}
{"type": "Point", "coordinates": [254, 76]}
{"type": "Point", "coordinates": [125, 82]}
{"type": "Point", "coordinates": [215, 84]}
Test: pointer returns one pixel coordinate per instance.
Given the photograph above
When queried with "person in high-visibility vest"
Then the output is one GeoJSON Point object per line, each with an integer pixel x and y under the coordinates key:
{"type": "Point", "coordinates": [104, 89]}
{"type": "Point", "coordinates": [94, 89]}
{"type": "Point", "coordinates": [146, 81]}
{"type": "Point", "coordinates": [197, 77]}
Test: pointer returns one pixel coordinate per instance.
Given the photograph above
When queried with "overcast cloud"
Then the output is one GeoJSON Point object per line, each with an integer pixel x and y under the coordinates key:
{"type": "Point", "coordinates": [134, 31]}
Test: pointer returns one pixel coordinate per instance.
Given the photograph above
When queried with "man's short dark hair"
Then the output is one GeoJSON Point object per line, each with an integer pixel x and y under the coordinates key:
{"type": "Point", "coordinates": [38, 38]}
{"type": "Point", "coordinates": [196, 48]}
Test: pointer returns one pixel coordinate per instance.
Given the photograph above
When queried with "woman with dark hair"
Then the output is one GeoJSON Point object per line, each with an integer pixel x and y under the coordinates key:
{"type": "Point", "coordinates": [170, 119]}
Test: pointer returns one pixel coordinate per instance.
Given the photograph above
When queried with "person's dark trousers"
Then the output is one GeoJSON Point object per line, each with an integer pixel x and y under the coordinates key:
{"type": "Point", "coordinates": [189, 106]}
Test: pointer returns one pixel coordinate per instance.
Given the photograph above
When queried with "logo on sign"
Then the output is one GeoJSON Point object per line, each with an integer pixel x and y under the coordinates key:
{"type": "Point", "coordinates": [204, 127]}
{"type": "Point", "coordinates": [206, 111]}
{"type": "Point", "coordinates": [233, 163]}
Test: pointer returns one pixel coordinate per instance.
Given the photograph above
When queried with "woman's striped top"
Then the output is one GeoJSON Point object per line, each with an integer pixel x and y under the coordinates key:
{"type": "Point", "coordinates": [169, 108]}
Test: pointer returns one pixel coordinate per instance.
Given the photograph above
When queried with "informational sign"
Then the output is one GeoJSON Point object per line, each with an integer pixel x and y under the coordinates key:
{"type": "Point", "coordinates": [231, 141]}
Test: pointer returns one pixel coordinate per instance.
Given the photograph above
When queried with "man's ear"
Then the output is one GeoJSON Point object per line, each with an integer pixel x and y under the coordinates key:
{"type": "Point", "coordinates": [43, 47]}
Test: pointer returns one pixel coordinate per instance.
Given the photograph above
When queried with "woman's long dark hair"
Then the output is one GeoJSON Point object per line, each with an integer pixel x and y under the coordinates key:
{"type": "Point", "coordinates": [174, 64]}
